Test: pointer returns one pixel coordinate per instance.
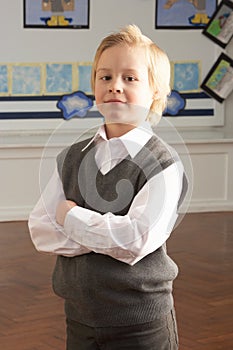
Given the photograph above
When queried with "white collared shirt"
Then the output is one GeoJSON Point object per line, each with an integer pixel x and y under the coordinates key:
{"type": "Point", "coordinates": [129, 238]}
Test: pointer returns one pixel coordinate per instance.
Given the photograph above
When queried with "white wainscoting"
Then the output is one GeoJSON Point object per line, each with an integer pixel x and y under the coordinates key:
{"type": "Point", "coordinates": [212, 162]}
{"type": "Point", "coordinates": [24, 157]}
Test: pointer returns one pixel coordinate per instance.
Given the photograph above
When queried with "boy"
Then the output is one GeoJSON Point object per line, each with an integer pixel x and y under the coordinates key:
{"type": "Point", "coordinates": [111, 205]}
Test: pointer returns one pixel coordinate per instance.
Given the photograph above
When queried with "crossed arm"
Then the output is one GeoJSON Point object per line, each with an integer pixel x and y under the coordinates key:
{"type": "Point", "coordinates": [60, 226]}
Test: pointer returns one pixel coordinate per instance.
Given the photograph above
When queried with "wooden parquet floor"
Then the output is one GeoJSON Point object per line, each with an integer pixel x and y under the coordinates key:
{"type": "Point", "coordinates": [31, 316]}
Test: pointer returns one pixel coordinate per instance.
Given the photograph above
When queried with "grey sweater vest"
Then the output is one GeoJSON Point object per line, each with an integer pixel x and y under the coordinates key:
{"type": "Point", "coordinates": [100, 291]}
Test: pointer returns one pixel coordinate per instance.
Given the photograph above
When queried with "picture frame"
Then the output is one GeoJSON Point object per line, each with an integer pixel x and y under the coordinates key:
{"type": "Point", "coordinates": [178, 14]}
{"type": "Point", "coordinates": [56, 14]}
{"type": "Point", "coordinates": [220, 27]}
{"type": "Point", "coordinates": [219, 81]}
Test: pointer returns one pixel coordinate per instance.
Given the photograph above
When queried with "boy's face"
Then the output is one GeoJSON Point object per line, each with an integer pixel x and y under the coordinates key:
{"type": "Point", "coordinates": [122, 85]}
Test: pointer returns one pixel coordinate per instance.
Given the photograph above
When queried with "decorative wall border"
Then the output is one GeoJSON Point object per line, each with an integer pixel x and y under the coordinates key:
{"type": "Point", "coordinates": [31, 91]}
{"type": "Point", "coordinates": [44, 79]}
{"type": "Point", "coordinates": [196, 105]}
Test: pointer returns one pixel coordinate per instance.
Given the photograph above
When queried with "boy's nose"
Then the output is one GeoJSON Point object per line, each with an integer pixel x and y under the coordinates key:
{"type": "Point", "coordinates": [115, 90]}
{"type": "Point", "coordinates": [115, 87]}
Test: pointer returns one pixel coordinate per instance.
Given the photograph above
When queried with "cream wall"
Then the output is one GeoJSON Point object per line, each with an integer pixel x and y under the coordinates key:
{"type": "Point", "coordinates": [22, 141]}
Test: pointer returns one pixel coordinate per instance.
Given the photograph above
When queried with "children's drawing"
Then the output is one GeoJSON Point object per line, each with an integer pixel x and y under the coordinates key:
{"type": "Point", "coordinates": [219, 81]}
{"type": "Point", "coordinates": [186, 76]}
{"type": "Point", "coordinates": [4, 88]}
{"type": "Point", "coordinates": [76, 104]}
{"type": "Point", "coordinates": [57, 9]}
{"type": "Point", "coordinates": [26, 79]}
{"type": "Point", "coordinates": [175, 103]}
{"type": "Point", "coordinates": [220, 27]}
{"type": "Point", "coordinates": [59, 78]}
{"type": "Point", "coordinates": [56, 13]}
{"type": "Point", "coordinates": [84, 77]}
{"type": "Point", "coordinates": [184, 14]}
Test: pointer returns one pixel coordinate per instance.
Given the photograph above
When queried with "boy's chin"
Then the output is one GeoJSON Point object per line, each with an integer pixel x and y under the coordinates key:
{"type": "Point", "coordinates": [115, 118]}
{"type": "Point", "coordinates": [123, 113]}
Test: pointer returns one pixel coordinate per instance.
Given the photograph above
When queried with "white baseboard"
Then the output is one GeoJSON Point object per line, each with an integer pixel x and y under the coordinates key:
{"type": "Point", "coordinates": [209, 206]}
{"type": "Point", "coordinates": [14, 213]}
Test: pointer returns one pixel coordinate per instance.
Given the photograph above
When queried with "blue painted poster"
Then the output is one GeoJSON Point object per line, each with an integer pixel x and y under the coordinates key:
{"type": "Point", "coordinates": [184, 14]}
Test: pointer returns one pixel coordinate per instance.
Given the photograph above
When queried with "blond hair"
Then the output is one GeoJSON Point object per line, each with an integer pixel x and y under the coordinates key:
{"type": "Point", "coordinates": [158, 65]}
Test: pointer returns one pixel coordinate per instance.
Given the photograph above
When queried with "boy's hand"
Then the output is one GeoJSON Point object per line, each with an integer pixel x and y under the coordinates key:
{"type": "Point", "coordinates": [62, 209]}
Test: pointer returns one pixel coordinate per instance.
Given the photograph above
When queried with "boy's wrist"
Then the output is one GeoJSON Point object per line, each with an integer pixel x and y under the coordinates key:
{"type": "Point", "coordinates": [62, 209]}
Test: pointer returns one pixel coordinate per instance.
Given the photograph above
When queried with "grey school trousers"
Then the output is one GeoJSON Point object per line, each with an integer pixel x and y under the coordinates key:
{"type": "Point", "coordinates": [160, 334]}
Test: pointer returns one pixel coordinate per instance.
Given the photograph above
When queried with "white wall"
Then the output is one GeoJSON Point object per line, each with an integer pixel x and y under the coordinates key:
{"type": "Point", "coordinates": [22, 141]}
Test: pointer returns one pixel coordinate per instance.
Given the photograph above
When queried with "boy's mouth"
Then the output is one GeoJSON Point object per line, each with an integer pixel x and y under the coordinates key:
{"type": "Point", "coordinates": [114, 100]}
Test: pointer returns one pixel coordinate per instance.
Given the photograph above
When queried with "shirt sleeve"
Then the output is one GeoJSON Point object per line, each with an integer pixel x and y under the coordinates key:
{"type": "Point", "coordinates": [145, 228]}
{"type": "Point", "coordinates": [46, 234]}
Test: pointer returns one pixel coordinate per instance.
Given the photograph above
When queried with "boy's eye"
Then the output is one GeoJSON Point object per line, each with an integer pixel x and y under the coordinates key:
{"type": "Point", "coordinates": [106, 77]}
{"type": "Point", "coordinates": [130, 78]}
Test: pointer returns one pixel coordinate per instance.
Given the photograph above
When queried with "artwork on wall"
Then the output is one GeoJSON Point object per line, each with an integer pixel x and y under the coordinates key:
{"type": "Point", "coordinates": [175, 104]}
{"type": "Point", "coordinates": [4, 80]}
{"type": "Point", "coordinates": [44, 79]}
{"type": "Point", "coordinates": [185, 76]}
{"type": "Point", "coordinates": [219, 81]}
{"type": "Point", "coordinates": [76, 104]}
{"type": "Point", "coordinates": [26, 79]}
{"type": "Point", "coordinates": [52, 80]}
{"type": "Point", "coordinates": [180, 14]}
{"type": "Point", "coordinates": [220, 27]}
{"type": "Point", "coordinates": [59, 78]}
{"type": "Point", "coordinates": [56, 14]}
{"type": "Point", "coordinates": [84, 77]}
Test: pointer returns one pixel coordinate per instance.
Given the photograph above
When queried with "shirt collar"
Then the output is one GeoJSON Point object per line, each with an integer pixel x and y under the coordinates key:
{"type": "Point", "coordinates": [136, 138]}
{"type": "Point", "coordinates": [133, 140]}
{"type": "Point", "coordinates": [100, 134]}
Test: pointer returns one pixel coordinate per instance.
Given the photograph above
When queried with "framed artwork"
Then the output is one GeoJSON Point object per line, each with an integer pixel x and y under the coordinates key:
{"type": "Point", "coordinates": [220, 27]}
{"type": "Point", "coordinates": [219, 81]}
{"type": "Point", "coordinates": [56, 14]}
{"type": "Point", "coordinates": [183, 14]}
{"type": "Point", "coordinates": [185, 76]}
